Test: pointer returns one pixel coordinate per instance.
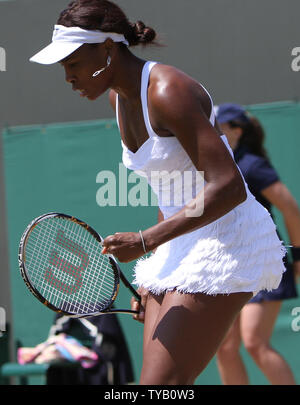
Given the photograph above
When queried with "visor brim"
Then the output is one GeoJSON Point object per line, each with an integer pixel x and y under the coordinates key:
{"type": "Point", "coordinates": [55, 52]}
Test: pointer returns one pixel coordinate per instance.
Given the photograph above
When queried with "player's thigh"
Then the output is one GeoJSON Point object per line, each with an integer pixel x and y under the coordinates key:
{"type": "Point", "coordinates": [187, 333]}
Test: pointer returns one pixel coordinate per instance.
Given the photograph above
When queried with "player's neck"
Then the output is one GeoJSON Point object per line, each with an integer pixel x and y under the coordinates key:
{"type": "Point", "coordinates": [127, 77]}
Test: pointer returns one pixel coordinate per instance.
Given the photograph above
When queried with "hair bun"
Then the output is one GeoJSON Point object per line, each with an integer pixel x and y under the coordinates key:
{"type": "Point", "coordinates": [142, 34]}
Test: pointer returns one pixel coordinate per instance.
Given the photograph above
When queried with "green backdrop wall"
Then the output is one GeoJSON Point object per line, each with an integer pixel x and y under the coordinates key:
{"type": "Point", "coordinates": [56, 168]}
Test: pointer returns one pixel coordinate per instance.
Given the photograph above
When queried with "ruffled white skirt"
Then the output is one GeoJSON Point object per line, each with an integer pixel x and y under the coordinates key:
{"type": "Point", "coordinates": [239, 252]}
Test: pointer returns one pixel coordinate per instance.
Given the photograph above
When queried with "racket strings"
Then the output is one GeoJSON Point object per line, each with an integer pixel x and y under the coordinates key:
{"type": "Point", "coordinates": [79, 279]}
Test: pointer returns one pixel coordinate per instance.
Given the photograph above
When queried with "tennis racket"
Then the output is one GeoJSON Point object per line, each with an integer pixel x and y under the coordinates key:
{"type": "Point", "coordinates": [61, 263]}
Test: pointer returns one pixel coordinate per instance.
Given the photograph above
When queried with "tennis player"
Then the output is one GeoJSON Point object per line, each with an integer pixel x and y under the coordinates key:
{"type": "Point", "coordinates": [213, 251]}
{"type": "Point", "coordinates": [257, 319]}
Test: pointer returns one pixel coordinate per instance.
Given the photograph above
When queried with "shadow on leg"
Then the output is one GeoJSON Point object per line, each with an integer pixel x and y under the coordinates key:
{"type": "Point", "coordinates": [186, 335]}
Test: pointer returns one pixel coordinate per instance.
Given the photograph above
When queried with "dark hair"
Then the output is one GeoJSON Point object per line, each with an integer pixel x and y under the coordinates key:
{"type": "Point", "coordinates": [106, 16]}
{"type": "Point", "coordinates": [253, 136]}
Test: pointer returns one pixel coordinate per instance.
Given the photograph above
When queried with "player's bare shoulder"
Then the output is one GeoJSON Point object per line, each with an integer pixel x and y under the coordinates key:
{"type": "Point", "coordinates": [172, 91]}
{"type": "Point", "coordinates": [166, 78]}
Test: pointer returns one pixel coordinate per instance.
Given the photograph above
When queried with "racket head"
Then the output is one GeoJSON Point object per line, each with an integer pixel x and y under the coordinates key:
{"type": "Point", "coordinates": [61, 263]}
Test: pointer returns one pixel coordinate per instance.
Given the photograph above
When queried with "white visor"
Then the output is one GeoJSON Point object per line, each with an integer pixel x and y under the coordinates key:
{"type": "Point", "coordinates": [66, 40]}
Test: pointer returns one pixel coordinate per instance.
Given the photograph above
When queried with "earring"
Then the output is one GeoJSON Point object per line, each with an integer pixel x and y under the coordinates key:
{"type": "Point", "coordinates": [101, 70]}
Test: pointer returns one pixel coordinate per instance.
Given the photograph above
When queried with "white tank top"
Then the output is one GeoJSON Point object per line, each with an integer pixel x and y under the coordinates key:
{"type": "Point", "coordinates": [163, 161]}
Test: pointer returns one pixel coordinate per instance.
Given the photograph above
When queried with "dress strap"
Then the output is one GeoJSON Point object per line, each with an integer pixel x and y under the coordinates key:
{"type": "Point", "coordinates": [212, 117]}
{"type": "Point", "coordinates": [144, 96]}
{"type": "Point", "coordinates": [117, 110]}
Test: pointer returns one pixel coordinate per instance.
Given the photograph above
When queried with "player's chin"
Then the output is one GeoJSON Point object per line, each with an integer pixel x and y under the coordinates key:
{"type": "Point", "coordinates": [92, 96]}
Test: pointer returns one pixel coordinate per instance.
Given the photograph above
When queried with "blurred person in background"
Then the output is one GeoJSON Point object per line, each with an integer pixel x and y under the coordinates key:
{"type": "Point", "coordinates": [255, 324]}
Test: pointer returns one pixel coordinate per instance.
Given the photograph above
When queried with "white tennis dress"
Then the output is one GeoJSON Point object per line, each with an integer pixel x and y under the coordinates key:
{"type": "Point", "coordinates": [239, 252]}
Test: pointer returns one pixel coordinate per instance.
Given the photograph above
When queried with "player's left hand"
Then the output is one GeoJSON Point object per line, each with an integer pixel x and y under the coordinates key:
{"type": "Point", "coordinates": [125, 246]}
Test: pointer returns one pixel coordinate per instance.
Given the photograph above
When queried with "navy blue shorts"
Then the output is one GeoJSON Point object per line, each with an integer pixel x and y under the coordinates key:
{"type": "Point", "coordinates": [286, 289]}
